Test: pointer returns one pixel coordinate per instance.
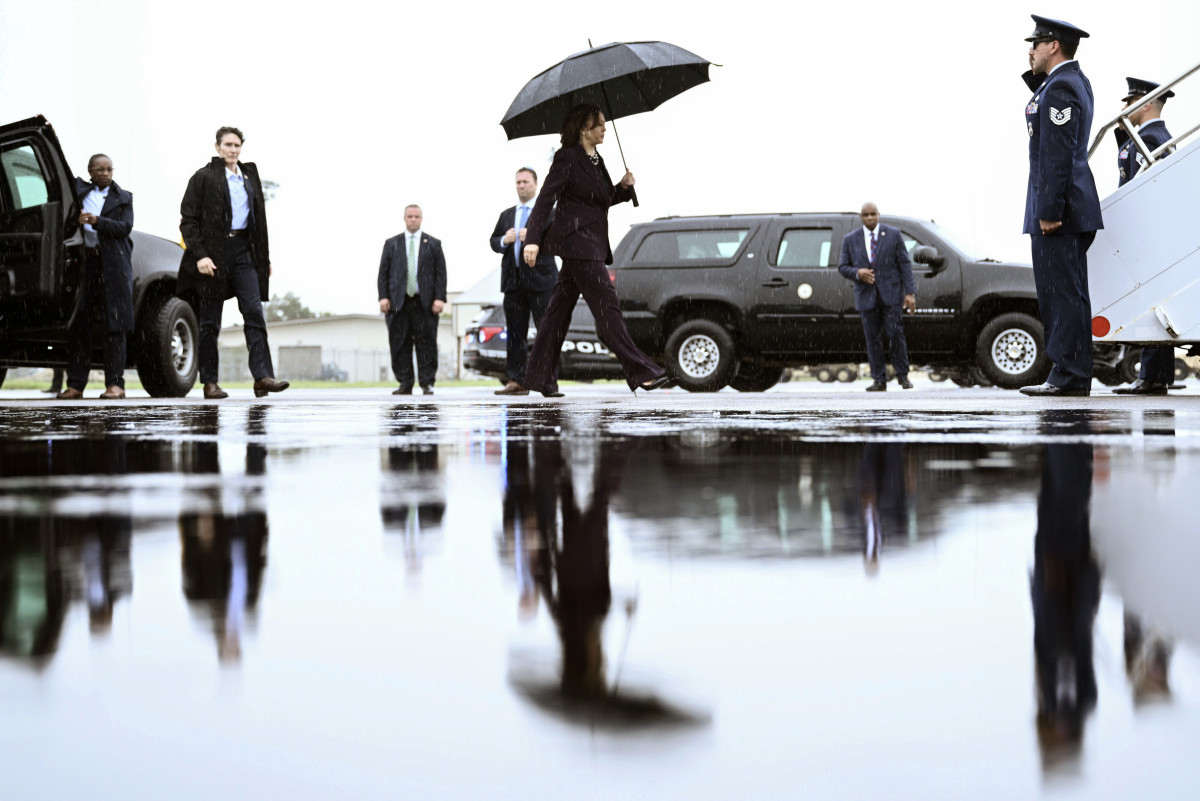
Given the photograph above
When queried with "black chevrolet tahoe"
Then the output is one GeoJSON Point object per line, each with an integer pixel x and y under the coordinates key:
{"type": "Point", "coordinates": [733, 300]}
{"type": "Point", "coordinates": [41, 270]}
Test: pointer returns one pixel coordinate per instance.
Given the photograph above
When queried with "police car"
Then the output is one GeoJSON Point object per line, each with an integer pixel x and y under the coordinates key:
{"type": "Point", "coordinates": [584, 356]}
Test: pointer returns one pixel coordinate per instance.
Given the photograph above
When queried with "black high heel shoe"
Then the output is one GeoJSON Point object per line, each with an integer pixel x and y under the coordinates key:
{"type": "Point", "coordinates": [664, 381]}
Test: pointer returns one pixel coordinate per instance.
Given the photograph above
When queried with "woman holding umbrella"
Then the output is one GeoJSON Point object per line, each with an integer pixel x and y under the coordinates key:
{"type": "Point", "coordinates": [580, 186]}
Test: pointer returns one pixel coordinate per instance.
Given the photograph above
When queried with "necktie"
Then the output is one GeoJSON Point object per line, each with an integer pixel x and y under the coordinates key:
{"type": "Point", "coordinates": [524, 216]}
{"type": "Point", "coordinates": [412, 264]}
{"type": "Point", "coordinates": [874, 241]}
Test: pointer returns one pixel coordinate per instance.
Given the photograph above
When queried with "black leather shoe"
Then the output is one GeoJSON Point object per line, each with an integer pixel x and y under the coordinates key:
{"type": "Point", "coordinates": [1141, 387]}
{"type": "Point", "coordinates": [878, 386]}
{"type": "Point", "coordinates": [554, 394]}
{"type": "Point", "coordinates": [1049, 390]}
{"type": "Point", "coordinates": [402, 391]}
{"type": "Point", "coordinates": [904, 382]}
{"type": "Point", "coordinates": [427, 390]}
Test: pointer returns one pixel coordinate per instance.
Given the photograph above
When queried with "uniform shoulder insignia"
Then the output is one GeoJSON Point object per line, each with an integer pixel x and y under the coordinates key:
{"type": "Point", "coordinates": [1060, 117]}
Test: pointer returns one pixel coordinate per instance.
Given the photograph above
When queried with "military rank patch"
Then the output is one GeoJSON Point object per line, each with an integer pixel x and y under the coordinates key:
{"type": "Point", "coordinates": [1060, 117]}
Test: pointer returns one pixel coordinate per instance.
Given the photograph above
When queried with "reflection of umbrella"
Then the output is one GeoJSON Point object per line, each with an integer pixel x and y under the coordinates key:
{"type": "Point", "coordinates": [622, 78]}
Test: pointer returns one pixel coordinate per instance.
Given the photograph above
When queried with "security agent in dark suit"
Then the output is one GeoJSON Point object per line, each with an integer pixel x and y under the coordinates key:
{"type": "Point", "coordinates": [526, 289]}
{"type": "Point", "coordinates": [875, 259]}
{"type": "Point", "coordinates": [107, 292]}
{"type": "Point", "coordinates": [412, 301]}
{"type": "Point", "coordinates": [1158, 364]}
{"type": "Point", "coordinates": [1062, 208]}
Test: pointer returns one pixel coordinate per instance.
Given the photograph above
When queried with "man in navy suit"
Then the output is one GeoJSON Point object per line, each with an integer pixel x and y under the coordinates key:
{"type": "Point", "coordinates": [1062, 208]}
{"type": "Point", "coordinates": [875, 259]}
{"type": "Point", "coordinates": [526, 289]}
{"type": "Point", "coordinates": [1158, 364]}
{"type": "Point", "coordinates": [412, 299]}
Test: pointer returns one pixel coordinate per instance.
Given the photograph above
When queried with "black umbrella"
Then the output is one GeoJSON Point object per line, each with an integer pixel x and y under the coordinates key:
{"type": "Point", "coordinates": [622, 78]}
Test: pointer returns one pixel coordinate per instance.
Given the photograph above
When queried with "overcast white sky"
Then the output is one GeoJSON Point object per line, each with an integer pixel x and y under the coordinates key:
{"type": "Point", "coordinates": [357, 109]}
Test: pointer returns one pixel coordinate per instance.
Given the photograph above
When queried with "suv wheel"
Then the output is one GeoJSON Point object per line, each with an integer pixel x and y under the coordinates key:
{"type": "Point", "coordinates": [1011, 351]}
{"type": "Point", "coordinates": [756, 378]}
{"type": "Point", "coordinates": [700, 355]}
{"type": "Point", "coordinates": [168, 342]}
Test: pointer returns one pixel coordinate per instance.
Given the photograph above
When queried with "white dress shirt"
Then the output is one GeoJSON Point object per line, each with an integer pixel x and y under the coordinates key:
{"type": "Point", "coordinates": [238, 199]}
{"type": "Point", "coordinates": [93, 203]}
{"type": "Point", "coordinates": [867, 240]}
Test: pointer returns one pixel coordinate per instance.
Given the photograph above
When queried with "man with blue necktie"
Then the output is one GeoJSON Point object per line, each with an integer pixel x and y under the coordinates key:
{"type": "Point", "coordinates": [875, 259]}
{"type": "Point", "coordinates": [1062, 208]}
{"type": "Point", "coordinates": [1158, 364]}
{"type": "Point", "coordinates": [526, 289]}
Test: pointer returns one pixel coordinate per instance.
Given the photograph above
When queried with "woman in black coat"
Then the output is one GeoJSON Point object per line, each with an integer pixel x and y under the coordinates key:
{"type": "Point", "coordinates": [107, 289]}
{"type": "Point", "coordinates": [224, 227]}
{"type": "Point", "coordinates": [580, 186]}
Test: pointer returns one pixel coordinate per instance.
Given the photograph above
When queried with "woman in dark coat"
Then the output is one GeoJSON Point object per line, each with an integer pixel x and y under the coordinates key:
{"type": "Point", "coordinates": [106, 220]}
{"type": "Point", "coordinates": [580, 186]}
{"type": "Point", "coordinates": [224, 227]}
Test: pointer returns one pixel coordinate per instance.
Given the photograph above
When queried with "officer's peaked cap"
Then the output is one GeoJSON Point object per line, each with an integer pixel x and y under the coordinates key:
{"type": "Point", "coordinates": [1138, 87]}
{"type": "Point", "coordinates": [1045, 28]}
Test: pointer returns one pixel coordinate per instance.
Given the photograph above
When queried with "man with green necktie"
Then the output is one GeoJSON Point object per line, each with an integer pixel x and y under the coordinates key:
{"type": "Point", "coordinates": [412, 293]}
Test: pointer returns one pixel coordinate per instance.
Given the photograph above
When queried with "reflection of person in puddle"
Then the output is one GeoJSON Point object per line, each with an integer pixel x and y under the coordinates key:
{"type": "Point", "coordinates": [574, 575]}
{"type": "Point", "coordinates": [884, 485]}
{"type": "Point", "coordinates": [520, 517]}
{"type": "Point", "coordinates": [410, 500]}
{"type": "Point", "coordinates": [1065, 589]}
{"type": "Point", "coordinates": [224, 557]}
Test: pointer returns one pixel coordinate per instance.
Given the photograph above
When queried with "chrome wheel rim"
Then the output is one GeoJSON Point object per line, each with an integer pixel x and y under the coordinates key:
{"type": "Point", "coordinates": [183, 351]}
{"type": "Point", "coordinates": [699, 356]}
{"type": "Point", "coordinates": [1014, 351]}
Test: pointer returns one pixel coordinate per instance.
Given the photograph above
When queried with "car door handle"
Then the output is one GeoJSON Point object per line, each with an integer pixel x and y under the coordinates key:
{"type": "Point", "coordinates": [775, 283]}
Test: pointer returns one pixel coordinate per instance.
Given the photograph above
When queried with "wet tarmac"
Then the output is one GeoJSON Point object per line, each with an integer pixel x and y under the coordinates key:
{"type": "Point", "coordinates": [805, 593]}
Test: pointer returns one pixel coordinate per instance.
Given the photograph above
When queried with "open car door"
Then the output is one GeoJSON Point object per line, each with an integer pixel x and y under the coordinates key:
{"type": "Point", "coordinates": [40, 241]}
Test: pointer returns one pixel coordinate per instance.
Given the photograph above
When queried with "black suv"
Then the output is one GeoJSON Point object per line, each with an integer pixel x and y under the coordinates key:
{"type": "Point", "coordinates": [733, 300]}
{"type": "Point", "coordinates": [41, 270]}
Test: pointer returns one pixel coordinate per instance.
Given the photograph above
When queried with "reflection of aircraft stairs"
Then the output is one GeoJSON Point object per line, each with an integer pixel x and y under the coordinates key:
{"type": "Point", "coordinates": [1144, 267]}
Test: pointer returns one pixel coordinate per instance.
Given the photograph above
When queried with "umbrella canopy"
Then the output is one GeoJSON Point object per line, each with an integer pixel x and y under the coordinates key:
{"type": "Point", "coordinates": [622, 78]}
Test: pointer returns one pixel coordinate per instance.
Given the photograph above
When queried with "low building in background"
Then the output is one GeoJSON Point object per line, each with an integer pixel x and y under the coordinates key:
{"type": "Point", "coordinates": [341, 347]}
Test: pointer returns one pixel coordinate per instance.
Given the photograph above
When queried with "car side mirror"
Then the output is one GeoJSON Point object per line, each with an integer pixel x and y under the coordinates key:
{"type": "Point", "coordinates": [928, 255]}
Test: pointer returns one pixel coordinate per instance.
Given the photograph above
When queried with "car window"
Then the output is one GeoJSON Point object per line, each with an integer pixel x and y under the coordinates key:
{"type": "Point", "coordinates": [805, 247]}
{"type": "Point", "coordinates": [909, 242]}
{"type": "Point", "coordinates": [675, 246]}
{"type": "Point", "coordinates": [24, 178]}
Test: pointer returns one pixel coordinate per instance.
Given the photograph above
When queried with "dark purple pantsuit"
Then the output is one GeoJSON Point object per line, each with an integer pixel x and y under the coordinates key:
{"type": "Point", "coordinates": [590, 279]}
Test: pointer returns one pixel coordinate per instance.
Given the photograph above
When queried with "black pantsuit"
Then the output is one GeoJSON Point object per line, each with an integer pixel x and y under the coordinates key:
{"type": "Point", "coordinates": [590, 279]}
{"type": "Point", "coordinates": [93, 305]}
{"type": "Point", "coordinates": [413, 324]}
{"type": "Point", "coordinates": [244, 281]}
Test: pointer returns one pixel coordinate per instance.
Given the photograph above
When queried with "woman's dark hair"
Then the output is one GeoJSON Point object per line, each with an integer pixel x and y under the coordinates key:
{"type": "Point", "coordinates": [229, 129]}
{"type": "Point", "coordinates": [577, 121]}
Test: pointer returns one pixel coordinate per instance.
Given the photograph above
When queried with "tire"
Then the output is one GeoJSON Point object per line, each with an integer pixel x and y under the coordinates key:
{"type": "Point", "coordinates": [978, 377]}
{"type": "Point", "coordinates": [847, 374]}
{"type": "Point", "coordinates": [824, 375]}
{"type": "Point", "coordinates": [1181, 371]}
{"type": "Point", "coordinates": [168, 348]}
{"type": "Point", "coordinates": [1011, 351]}
{"type": "Point", "coordinates": [1108, 378]}
{"type": "Point", "coordinates": [756, 378]}
{"type": "Point", "coordinates": [962, 379]}
{"type": "Point", "coordinates": [700, 354]}
{"type": "Point", "coordinates": [1130, 366]}
{"type": "Point", "coordinates": [937, 376]}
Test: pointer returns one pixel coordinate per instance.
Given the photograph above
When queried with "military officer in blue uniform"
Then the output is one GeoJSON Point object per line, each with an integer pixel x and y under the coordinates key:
{"type": "Point", "coordinates": [1062, 208]}
{"type": "Point", "coordinates": [1158, 364]}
